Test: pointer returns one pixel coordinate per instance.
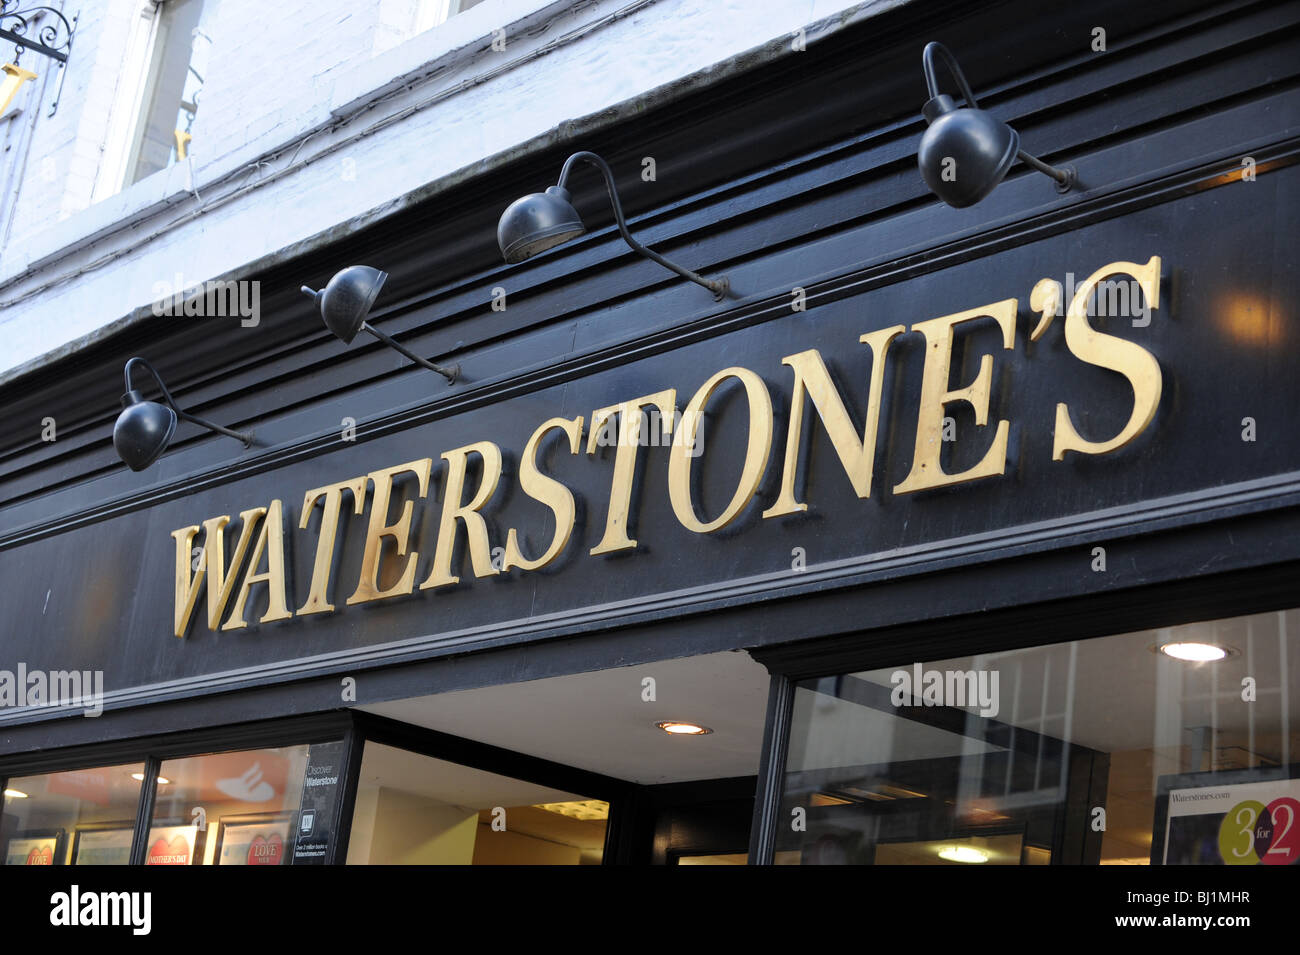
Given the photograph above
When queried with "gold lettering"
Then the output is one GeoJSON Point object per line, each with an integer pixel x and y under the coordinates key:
{"type": "Point", "coordinates": [552, 493]}
{"type": "Point", "coordinates": [318, 597]}
{"type": "Point", "coordinates": [480, 549]}
{"type": "Point", "coordinates": [187, 585]}
{"type": "Point", "coordinates": [1131, 360]}
{"type": "Point", "coordinates": [212, 564]}
{"type": "Point", "coordinates": [812, 380]}
{"type": "Point", "coordinates": [927, 472]}
{"type": "Point", "coordinates": [757, 451]}
{"type": "Point", "coordinates": [625, 455]}
{"type": "Point", "coordinates": [271, 540]}
{"type": "Point", "coordinates": [399, 531]}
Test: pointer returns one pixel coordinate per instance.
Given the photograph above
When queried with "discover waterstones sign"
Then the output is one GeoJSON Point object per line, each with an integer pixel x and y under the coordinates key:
{"type": "Point", "coordinates": [259, 550]}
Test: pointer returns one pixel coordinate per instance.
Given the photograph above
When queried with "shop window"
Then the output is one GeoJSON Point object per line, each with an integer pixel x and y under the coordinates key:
{"type": "Point", "coordinates": [80, 817]}
{"type": "Point", "coordinates": [251, 807]}
{"type": "Point", "coordinates": [1128, 749]}
{"type": "Point", "coordinates": [412, 809]}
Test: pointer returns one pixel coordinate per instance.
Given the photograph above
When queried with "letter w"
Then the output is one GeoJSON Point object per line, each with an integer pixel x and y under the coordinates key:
{"type": "Point", "coordinates": [212, 564]}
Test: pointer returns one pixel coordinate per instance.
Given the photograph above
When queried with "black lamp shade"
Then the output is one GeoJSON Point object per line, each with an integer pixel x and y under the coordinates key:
{"type": "Point", "coordinates": [143, 430]}
{"type": "Point", "coordinates": [981, 147]}
{"type": "Point", "coordinates": [345, 301]}
{"type": "Point", "coordinates": [537, 222]}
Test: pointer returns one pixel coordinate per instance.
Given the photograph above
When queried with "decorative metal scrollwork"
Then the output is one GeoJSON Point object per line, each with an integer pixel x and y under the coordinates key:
{"type": "Point", "coordinates": [24, 29]}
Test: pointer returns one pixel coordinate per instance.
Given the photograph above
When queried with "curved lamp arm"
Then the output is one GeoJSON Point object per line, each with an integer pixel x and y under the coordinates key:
{"type": "Point", "coordinates": [933, 49]}
{"type": "Point", "coordinates": [1064, 177]}
{"type": "Point", "coordinates": [719, 287]}
{"type": "Point", "coordinates": [245, 436]}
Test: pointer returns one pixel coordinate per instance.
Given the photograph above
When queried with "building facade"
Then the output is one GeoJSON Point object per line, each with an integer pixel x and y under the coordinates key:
{"type": "Point", "coordinates": [943, 536]}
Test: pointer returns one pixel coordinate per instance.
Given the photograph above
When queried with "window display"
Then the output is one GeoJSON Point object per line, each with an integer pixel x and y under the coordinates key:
{"type": "Point", "coordinates": [236, 808]}
{"type": "Point", "coordinates": [74, 817]}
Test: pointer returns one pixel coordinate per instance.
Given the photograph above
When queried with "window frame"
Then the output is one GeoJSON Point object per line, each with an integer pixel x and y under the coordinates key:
{"type": "Point", "coordinates": [354, 728]}
{"type": "Point", "coordinates": [132, 92]}
{"type": "Point", "coordinates": [152, 751]}
{"type": "Point", "coordinates": [138, 78]}
{"type": "Point", "coordinates": [1236, 593]}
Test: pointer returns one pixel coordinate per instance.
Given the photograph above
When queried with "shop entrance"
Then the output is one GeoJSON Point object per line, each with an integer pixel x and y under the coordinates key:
{"type": "Point", "coordinates": [567, 770]}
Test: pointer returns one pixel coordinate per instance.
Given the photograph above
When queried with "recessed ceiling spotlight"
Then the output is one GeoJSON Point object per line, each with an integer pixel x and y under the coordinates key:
{"type": "Point", "coordinates": [678, 728]}
{"type": "Point", "coordinates": [15, 794]}
{"type": "Point", "coordinates": [1195, 652]}
{"type": "Point", "coordinates": [139, 777]}
{"type": "Point", "coordinates": [963, 854]}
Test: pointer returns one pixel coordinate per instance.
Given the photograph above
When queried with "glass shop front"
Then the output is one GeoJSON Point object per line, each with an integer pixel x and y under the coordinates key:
{"type": "Point", "coordinates": [257, 807]}
{"type": "Point", "coordinates": [1169, 746]}
{"type": "Point", "coordinates": [1174, 746]}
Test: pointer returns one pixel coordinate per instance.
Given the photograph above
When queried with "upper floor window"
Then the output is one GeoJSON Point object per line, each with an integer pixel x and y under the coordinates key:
{"type": "Point", "coordinates": [157, 98]}
{"type": "Point", "coordinates": [171, 94]}
{"type": "Point", "coordinates": [399, 20]}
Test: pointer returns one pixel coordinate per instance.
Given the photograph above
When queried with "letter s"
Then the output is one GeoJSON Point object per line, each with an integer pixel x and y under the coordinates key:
{"type": "Point", "coordinates": [1131, 360]}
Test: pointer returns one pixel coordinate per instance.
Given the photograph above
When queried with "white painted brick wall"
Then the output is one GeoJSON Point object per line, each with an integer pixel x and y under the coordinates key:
{"type": "Point", "coordinates": [308, 68]}
{"type": "Point", "coordinates": [63, 156]}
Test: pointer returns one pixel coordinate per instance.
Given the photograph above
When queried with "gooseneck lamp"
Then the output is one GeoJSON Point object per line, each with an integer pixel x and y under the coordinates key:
{"type": "Point", "coordinates": [966, 151]}
{"type": "Point", "coordinates": [345, 302]}
{"type": "Point", "coordinates": [144, 428]}
{"type": "Point", "coordinates": [543, 220]}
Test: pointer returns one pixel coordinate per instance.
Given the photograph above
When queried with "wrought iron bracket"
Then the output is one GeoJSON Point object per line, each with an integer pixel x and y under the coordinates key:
{"type": "Point", "coordinates": [53, 39]}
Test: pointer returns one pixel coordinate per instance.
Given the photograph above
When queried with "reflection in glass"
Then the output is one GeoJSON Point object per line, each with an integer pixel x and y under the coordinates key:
{"type": "Point", "coordinates": [1097, 751]}
{"type": "Point", "coordinates": [237, 808]}
{"type": "Point", "coordinates": [80, 817]}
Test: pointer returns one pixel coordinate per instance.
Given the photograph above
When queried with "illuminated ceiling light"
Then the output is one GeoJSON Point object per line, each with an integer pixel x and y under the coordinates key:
{"type": "Point", "coordinates": [15, 794]}
{"type": "Point", "coordinates": [139, 777]}
{"type": "Point", "coordinates": [966, 151]}
{"type": "Point", "coordinates": [678, 728]}
{"type": "Point", "coordinates": [963, 854]}
{"type": "Point", "coordinates": [144, 428]}
{"type": "Point", "coordinates": [345, 302]}
{"type": "Point", "coordinates": [586, 811]}
{"type": "Point", "coordinates": [543, 220]}
{"type": "Point", "coordinates": [1194, 652]}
